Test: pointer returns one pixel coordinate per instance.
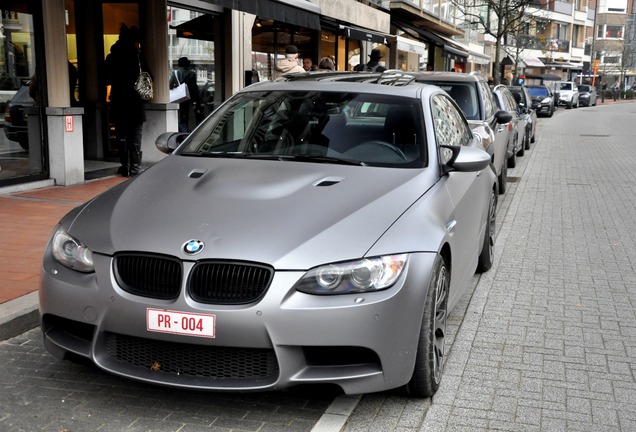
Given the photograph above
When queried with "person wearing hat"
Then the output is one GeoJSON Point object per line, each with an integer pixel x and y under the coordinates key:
{"type": "Point", "coordinates": [290, 63]}
{"type": "Point", "coordinates": [373, 65]}
{"type": "Point", "coordinates": [183, 74]}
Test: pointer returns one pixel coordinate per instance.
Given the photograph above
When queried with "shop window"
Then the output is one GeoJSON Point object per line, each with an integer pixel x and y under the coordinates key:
{"type": "Point", "coordinates": [269, 39]}
{"type": "Point", "coordinates": [21, 137]}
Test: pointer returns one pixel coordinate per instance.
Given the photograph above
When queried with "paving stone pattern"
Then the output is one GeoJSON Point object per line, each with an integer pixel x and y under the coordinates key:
{"type": "Point", "coordinates": [548, 340]}
{"type": "Point", "coordinates": [41, 393]}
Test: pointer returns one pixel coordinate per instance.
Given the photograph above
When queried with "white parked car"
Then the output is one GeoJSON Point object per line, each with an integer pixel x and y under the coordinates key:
{"type": "Point", "coordinates": [569, 94]}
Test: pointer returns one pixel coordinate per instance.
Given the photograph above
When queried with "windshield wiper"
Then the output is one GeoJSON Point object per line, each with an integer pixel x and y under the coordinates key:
{"type": "Point", "coordinates": [321, 159]}
{"type": "Point", "coordinates": [279, 157]}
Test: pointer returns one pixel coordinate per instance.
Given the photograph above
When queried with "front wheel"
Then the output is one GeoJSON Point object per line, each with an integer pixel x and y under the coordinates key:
{"type": "Point", "coordinates": [502, 178]}
{"type": "Point", "coordinates": [512, 160]}
{"type": "Point", "coordinates": [487, 254]}
{"type": "Point", "coordinates": [429, 357]}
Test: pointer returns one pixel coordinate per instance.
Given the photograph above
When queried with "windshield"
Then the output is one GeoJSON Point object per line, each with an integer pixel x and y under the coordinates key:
{"type": "Point", "coordinates": [566, 86]}
{"type": "Point", "coordinates": [323, 127]}
{"type": "Point", "coordinates": [538, 91]}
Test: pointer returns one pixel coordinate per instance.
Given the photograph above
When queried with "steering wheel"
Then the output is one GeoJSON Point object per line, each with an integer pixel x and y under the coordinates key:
{"type": "Point", "coordinates": [395, 149]}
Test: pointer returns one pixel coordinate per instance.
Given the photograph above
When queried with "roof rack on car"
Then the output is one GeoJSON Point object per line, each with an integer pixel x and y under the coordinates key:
{"type": "Point", "coordinates": [392, 77]}
{"type": "Point", "coordinates": [395, 77]}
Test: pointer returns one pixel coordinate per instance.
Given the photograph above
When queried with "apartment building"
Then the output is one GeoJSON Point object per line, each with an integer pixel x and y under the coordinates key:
{"type": "Point", "coordinates": [614, 40]}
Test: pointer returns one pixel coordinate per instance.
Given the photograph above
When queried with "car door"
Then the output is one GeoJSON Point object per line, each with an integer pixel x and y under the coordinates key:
{"type": "Point", "coordinates": [500, 130]}
{"type": "Point", "coordinates": [468, 190]}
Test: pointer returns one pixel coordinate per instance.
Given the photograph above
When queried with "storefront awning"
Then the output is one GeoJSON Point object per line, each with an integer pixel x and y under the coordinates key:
{"type": "Point", "coordinates": [302, 13]}
{"type": "Point", "coordinates": [478, 58]}
{"type": "Point", "coordinates": [453, 50]}
{"type": "Point", "coordinates": [200, 28]}
{"type": "Point", "coordinates": [419, 32]}
{"type": "Point", "coordinates": [564, 65]}
{"type": "Point", "coordinates": [410, 45]}
{"type": "Point", "coordinates": [533, 62]}
{"type": "Point", "coordinates": [365, 35]}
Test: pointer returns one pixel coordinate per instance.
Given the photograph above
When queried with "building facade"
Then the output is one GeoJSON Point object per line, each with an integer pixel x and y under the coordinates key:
{"type": "Point", "coordinates": [53, 89]}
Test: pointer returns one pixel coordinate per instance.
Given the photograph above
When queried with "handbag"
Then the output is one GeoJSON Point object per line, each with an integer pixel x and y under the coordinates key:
{"type": "Point", "coordinates": [143, 85]}
{"type": "Point", "coordinates": [181, 93]}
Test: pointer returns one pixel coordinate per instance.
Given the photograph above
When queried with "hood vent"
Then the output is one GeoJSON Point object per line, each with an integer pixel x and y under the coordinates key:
{"type": "Point", "coordinates": [329, 181]}
{"type": "Point", "coordinates": [195, 174]}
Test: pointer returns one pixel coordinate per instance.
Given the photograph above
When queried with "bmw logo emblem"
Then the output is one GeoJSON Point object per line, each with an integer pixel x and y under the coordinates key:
{"type": "Point", "coordinates": [193, 247]}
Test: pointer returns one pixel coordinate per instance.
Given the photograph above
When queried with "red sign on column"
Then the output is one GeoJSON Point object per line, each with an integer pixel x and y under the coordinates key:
{"type": "Point", "coordinates": [68, 120]}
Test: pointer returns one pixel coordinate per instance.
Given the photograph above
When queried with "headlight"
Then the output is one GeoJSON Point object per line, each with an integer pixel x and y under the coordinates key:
{"type": "Point", "coordinates": [72, 253]}
{"type": "Point", "coordinates": [366, 275]}
{"type": "Point", "coordinates": [546, 101]}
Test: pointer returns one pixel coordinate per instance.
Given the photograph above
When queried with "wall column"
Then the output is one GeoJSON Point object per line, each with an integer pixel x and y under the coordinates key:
{"type": "Point", "coordinates": [64, 124]}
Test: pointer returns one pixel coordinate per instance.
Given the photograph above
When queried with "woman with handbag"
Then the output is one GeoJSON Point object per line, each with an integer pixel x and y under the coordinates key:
{"type": "Point", "coordinates": [185, 76]}
{"type": "Point", "coordinates": [123, 68]}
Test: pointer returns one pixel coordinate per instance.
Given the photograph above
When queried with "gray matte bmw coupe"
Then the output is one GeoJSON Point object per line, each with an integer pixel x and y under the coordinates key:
{"type": "Point", "coordinates": [309, 231]}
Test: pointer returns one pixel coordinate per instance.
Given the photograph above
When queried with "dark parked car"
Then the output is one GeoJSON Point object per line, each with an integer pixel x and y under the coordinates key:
{"type": "Point", "coordinates": [587, 95]}
{"type": "Point", "coordinates": [524, 101]}
{"type": "Point", "coordinates": [322, 232]}
{"type": "Point", "coordinates": [15, 120]}
{"type": "Point", "coordinates": [474, 97]}
{"type": "Point", "coordinates": [542, 99]}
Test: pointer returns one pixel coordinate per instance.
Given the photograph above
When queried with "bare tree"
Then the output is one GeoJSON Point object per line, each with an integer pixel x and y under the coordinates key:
{"type": "Point", "coordinates": [500, 18]}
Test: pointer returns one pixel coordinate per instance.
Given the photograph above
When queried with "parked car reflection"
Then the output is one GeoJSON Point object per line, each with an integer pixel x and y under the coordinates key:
{"type": "Point", "coordinates": [15, 118]}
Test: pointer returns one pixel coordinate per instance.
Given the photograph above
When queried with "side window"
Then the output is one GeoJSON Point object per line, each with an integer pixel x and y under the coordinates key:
{"type": "Point", "coordinates": [489, 102]}
{"type": "Point", "coordinates": [511, 101]}
{"type": "Point", "coordinates": [450, 126]}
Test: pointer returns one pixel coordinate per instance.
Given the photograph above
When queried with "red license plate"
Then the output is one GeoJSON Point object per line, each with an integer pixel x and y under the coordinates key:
{"type": "Point", "coordinates": [183, 323]}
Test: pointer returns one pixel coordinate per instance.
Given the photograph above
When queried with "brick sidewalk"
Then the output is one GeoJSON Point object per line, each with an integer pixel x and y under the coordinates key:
{"type": "Point", "coordinates": [26, 222]}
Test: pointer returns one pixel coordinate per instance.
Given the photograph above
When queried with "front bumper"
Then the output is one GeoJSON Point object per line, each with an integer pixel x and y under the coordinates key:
{"type": "Point", "coordinates": [361, 342]}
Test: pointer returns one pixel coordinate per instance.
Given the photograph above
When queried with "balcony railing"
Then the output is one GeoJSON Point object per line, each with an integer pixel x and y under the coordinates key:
{"type": "Point", "coordinates": [540, 43]}
{"type": "Point", "coordinates": [554, 6]}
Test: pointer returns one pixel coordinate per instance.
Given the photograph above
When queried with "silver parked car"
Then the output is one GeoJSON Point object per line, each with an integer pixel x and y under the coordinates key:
{"type": "Point", "coordinates": [524, 102]}
{"type": "Point", "coordinates": [587, 95]}
{"type": "Point", "coordinates": [306, 232]}
{"type": "Point", "coordinates": [474, 97]}
{"type": "Point", "coordinates": [516, 126]}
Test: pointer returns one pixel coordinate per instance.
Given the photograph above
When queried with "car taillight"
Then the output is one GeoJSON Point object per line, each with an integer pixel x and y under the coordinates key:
{"type": "Point", "coordinates": [509, 127]}
{"type": "Point", "coordinates": [7, 115]}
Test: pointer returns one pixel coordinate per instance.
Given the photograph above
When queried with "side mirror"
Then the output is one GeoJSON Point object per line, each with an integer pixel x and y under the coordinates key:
{"type": "Point", "coordinates": [503, 117]}
{"type": "Point", "coordinates": [168, 142]}
{"type": "Point", "coordinates": [467, 159]}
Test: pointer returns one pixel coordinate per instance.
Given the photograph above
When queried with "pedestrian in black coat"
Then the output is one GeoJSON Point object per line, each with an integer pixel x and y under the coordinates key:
{"type": "Point", "coordinates": [186, 75]}
{"type": "Point", "coordinates": [126, 106]}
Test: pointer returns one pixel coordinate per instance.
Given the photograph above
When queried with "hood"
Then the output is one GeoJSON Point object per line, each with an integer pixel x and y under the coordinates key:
{"type": "Point", "coordinates": [291, 215]}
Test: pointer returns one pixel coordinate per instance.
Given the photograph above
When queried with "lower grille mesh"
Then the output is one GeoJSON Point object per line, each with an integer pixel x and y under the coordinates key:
{"type": "Point", "coordinates": [218, 363]}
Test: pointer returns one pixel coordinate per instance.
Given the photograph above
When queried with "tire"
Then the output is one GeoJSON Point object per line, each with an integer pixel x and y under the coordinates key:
{"type": "Point", "coordinates": [528, 140]}
{"type": "Point", "coordinates": [512, 160]}
{"type": "Point", "coordinates": [487, 254]}
{"type": "Point", "coordinates": [522, 147]}
{"type": "Point", "coordinates": [429, 357]}
{"type": "Point", "coordinates": [551, 112]}
{"type": "Point", "coordinates": [532, 140]}
{"type": "Point", "coordinates": [502, 178]}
